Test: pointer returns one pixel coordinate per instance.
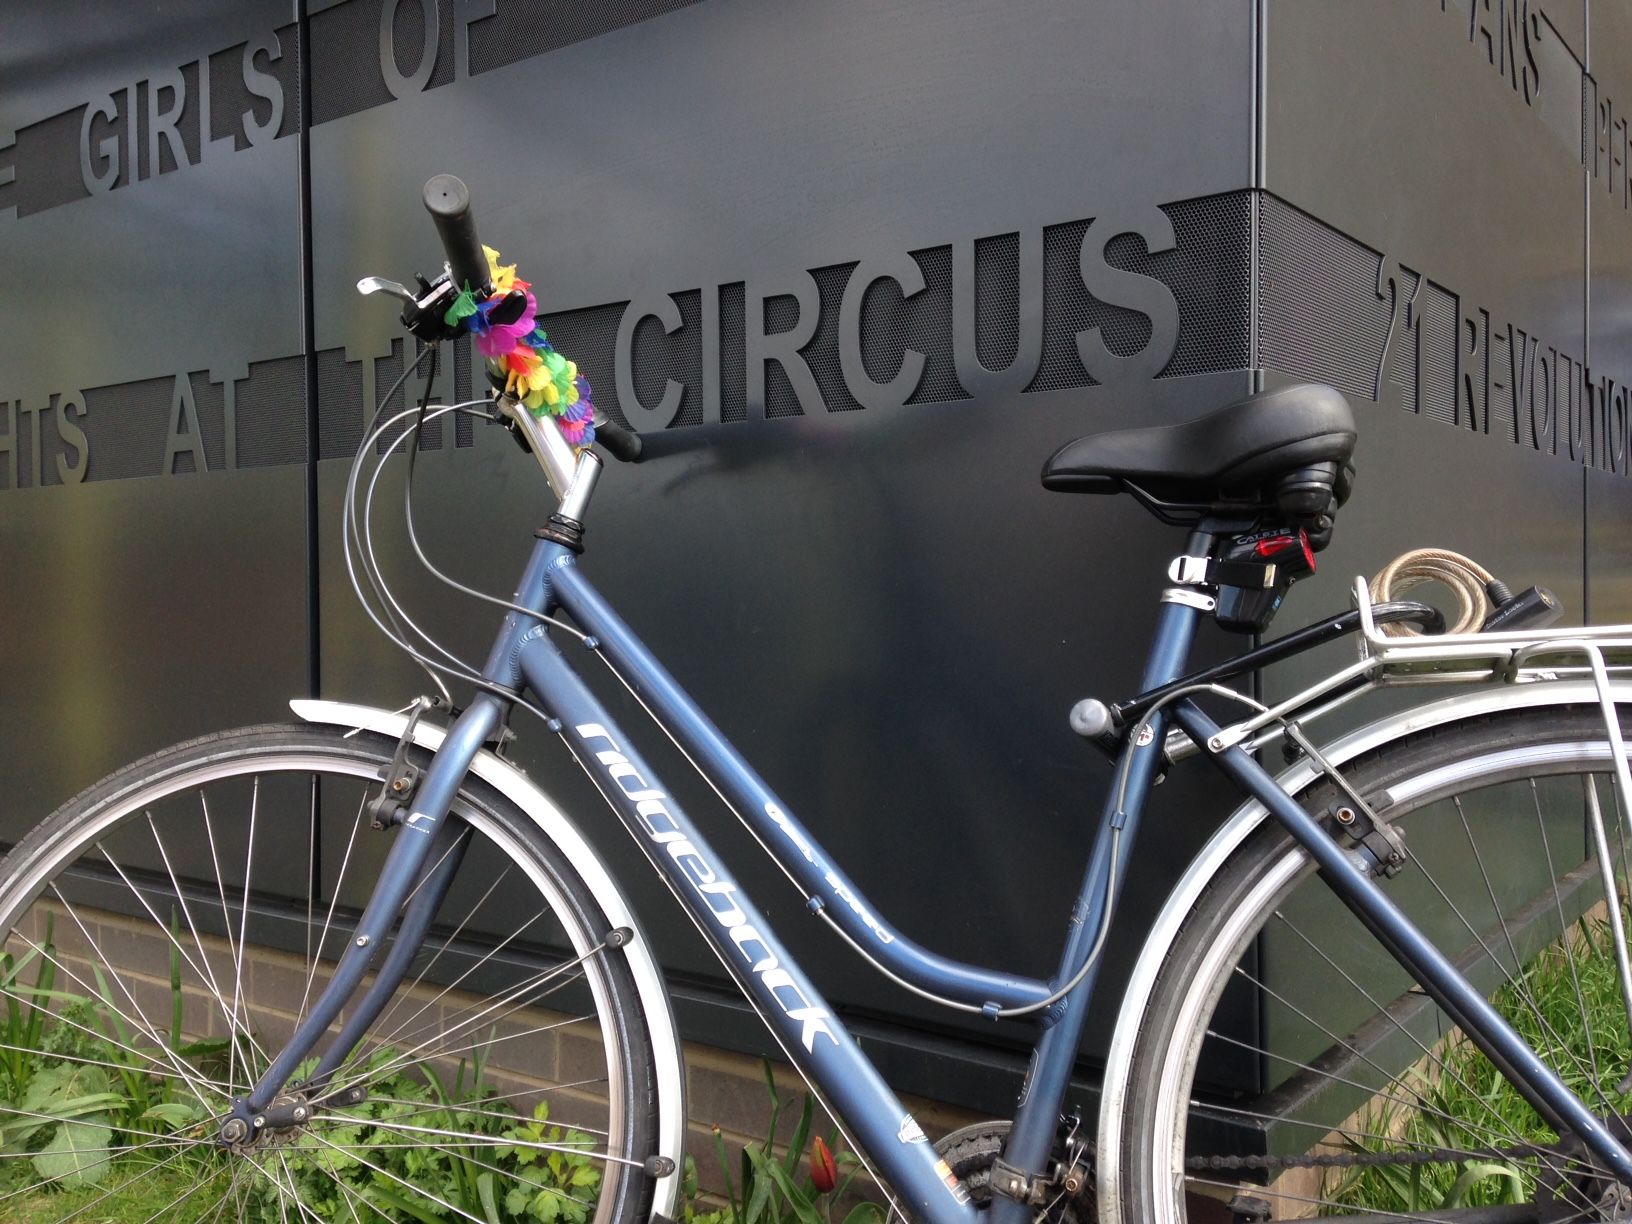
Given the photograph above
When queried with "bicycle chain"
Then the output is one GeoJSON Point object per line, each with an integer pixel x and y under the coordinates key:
{"type": "Point", "coordinates": [1349, 1160]}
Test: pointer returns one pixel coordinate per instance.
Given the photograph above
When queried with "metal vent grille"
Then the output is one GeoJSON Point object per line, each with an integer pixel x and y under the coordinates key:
{"type": "Point", "coordinates": [924, 323]}
{"type": "Point", "coordinates": [47, 159]}
{"type": "Point", "coordinates": [339, 405]}
{"type": "Point", "coordinates": [516, 31]}
{"type": "Point", "coordinates": [1320, 316]}
{"type": "Point", "coordinates": [1402, 363]}
{"type": "Point", "coordinates": [733, 352]}
{"type": "Point", "coordinates": [660, 357]}
{"type": "Point", "coordinates": [210, 402]}
{"type": "Point", "coordinates": [1209, 272]}
{"type": "Point", "coordinates": [272, 413]}
{"type": "Point", "coordinates": [823, 350]}
{"type": "Point", "coordinates": [589, 336]}
{"type": "Point", "coordinates": [1437, 315]}
{"type": "Point", "coordinates": [782, 314]}
{"type": "Point", "coordinates": [126, 426]}
{"type": "Point", "coordinates": [997, 293]}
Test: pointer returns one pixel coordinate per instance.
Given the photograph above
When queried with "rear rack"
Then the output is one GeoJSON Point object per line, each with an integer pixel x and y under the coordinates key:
{"type": "Point", "coordinates": [1515, 657]}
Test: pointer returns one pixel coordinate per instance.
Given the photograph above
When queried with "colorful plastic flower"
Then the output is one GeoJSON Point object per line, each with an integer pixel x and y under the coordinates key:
{"type": "Point", "coordinates": [521, 355]}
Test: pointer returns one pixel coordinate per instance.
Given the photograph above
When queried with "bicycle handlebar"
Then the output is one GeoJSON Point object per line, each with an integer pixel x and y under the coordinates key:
{"type": "Point", "coordinates": [447, 199]}
{"type": "Point", "coordinates": [620, 443]}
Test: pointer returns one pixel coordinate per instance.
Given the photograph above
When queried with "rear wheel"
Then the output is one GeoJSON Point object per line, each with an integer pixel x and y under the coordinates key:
{"type": "Point", "coordinates": [163, 936]}
{"type": "Point", "coordinates": [1286, 1057]}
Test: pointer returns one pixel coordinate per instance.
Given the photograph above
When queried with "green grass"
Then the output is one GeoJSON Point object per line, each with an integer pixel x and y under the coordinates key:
{"type": "Point", "coordinates": [139, 1194]}
{"type": "Point", "coordinates": [1469, 1087]}
{"type": "Point", "coordinates": [93, 1122]}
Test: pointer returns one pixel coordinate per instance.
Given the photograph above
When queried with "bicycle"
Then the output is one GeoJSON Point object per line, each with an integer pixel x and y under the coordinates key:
{"type": "Point", "coordinates": [313, 1090]}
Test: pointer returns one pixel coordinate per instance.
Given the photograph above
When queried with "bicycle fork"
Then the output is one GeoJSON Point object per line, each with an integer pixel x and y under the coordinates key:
{"type": "Point", "coordinates": [423, 860]}
{"type": "Point", "coordinates": [410, 868]}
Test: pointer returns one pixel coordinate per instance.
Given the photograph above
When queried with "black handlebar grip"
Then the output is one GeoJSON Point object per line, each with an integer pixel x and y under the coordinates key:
{"type": "Point", "coordinates": [447, 199]}
{"type": "Point", "coordinates": [620, 443]}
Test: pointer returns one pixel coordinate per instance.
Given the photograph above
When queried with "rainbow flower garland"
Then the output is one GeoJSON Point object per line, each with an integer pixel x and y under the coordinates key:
{"type": "Point", "coordinates": [521, 357]}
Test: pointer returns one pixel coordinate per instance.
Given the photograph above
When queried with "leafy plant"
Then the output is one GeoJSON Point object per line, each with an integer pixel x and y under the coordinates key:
{"type": "Point", "coordinates": [514, 1170]}
{"type": "Point", "coordinates": [80, 1093]}
{"type": "Point", "coordinates": [1468, 1105]}
{"type": "Point", "coordinates": [770, 1188]}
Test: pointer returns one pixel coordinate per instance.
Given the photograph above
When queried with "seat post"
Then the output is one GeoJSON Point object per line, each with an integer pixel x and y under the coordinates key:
{"type": "Point", "coordinates": [1187, 572]}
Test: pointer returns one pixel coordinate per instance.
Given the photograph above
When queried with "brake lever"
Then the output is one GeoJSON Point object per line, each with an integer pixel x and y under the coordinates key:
{"type": "Point", "coordinates": [379, 284]}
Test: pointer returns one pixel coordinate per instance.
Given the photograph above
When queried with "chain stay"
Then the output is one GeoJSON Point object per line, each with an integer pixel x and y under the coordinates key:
{"type": "Point", "coordinates": [1349, 1160]}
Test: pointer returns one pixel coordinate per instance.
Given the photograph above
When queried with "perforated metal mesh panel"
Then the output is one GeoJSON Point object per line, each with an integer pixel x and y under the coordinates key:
{"type": "Point", "coordinates": [824, 345]}
{"type": "Point", "coordinates": [386, 372]}
{"type": "Point", "coordinates": [1208, 270]}
{"type": "Point", "coordinates": [230, 98]}
{"type": "Point", "coordinates": [681, 359]}
{"type": "Point", "coordinates": [924, 323]}
{"type": "Point", "coordinates": [997, 291]}
{"type": "Point", "coordinates": [781, 315]}
{"type": "Point", "coordinates": [733, 352]}
{"type": "Point", "coordinates": [47, 159]}
{"type": "Point", "coordinates": [47, 153]}
{"type": "Point", "coordinates": [1402, 364]}
{"type": "Point", "coordinates": [209, 402]}
{"type": "Point", "coordinates": [185, 120]}
{"type": "Point", "coordinates": [516, 31]}
{"type": "Point", "coordinates": [1438, 311]}
{"type": "Point", "coordinates": [339, 405]}
{"type": "Point", "coordinates": [126, 427]}
{"type": "Point", "coordinates": [590, 337]}
{"type": "Point", "coordinates": [272, 413]}
{"type": "Point", "coordinates": [345, 43]}
{"type": "Point", "coordinates": [1320, 316]}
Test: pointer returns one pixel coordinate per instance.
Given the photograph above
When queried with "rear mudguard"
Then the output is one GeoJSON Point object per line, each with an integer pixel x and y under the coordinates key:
{"type": "Point", "coordinates": [1240, 826]}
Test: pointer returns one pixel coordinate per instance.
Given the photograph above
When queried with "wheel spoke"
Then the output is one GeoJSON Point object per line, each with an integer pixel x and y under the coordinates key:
{"type": "Point", "coordinates": [123, 871]}
{"type": "Point", "coordinates": [1612, 898]}
{"type": "Point", "coordinates": [1279, 1027]}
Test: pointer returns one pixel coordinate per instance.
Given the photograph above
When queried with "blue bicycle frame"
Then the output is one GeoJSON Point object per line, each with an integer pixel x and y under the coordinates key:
{"type": "Point", "coordinates": [812, 1036]}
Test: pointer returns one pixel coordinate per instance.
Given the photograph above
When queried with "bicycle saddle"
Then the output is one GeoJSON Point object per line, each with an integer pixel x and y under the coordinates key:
{"type": "Point", "coordinates": [1232, 455]}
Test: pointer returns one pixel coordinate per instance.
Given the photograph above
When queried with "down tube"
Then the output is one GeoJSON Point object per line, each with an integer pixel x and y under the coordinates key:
{"type": "Point", "coordinates": [796, 1012]}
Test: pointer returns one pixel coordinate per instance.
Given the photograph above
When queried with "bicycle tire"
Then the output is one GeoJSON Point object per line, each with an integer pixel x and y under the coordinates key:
{"type": "Point", "coordinates": [140, 875]}
{"type": "Point", "coordinates": [1337, 1053]}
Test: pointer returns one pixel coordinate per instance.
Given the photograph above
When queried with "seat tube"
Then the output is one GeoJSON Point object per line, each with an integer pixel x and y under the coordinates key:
{"type": "Point", "coordinates": [1037, 1115]}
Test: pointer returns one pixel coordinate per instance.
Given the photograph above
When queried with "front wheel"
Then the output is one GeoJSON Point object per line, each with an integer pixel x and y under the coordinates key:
{"type": "Point", "coordinates": [1285, 1057]}
{"type": "Point", "coordinates": [166, 930]}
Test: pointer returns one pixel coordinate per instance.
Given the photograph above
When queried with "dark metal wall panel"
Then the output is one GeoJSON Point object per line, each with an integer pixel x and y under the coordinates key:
{"type": "Point", "coordinates": [878, 602]}
{"type": "Point", "coordinates": [1424, 246]}
{"type": "Point", "coordinates": [139, 607]}
{"type": "Point", "coordinates": [1609, 548]}
{"type": "Point", "coordinates": [1397, 137]}
{"type": "Point", "coordinates": [1607, 112]}
{"type": "Point", "coordinates": [862, 583]}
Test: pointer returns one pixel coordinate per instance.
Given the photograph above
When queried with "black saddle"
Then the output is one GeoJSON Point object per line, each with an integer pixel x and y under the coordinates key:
{"type": "Point", "coordinates": [1287, 449]}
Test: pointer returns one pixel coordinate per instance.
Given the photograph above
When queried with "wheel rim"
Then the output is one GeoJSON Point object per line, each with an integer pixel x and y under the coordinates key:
{"type": "Point", "coordinates": [1254, 908]}
{"type": "Point", "coordinates": [103, 1027]}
